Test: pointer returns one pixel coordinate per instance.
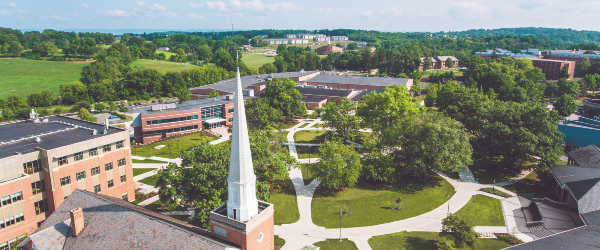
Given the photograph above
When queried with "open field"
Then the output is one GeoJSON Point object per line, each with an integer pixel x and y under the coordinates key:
{"type": "Point", "coordinates": [146, 161]}
{"type": "Point", "coordinates": [161, 66]}
{"type": "Point", "coordinates": [171, 149]}
{"type": "Point", "coordinates": [285, 200]}
{"type": "Point", "coordinates": [424, 240]}
{"type": "Point", "coordinates": [254, 59]}
{"type": "Point", "coordinates": [139, 171]}
{"type": "Point", "coordinates": [167, 54]}
{"type": "Point", "coordinates": [483, 211]}
{"type": "Point", "coordinates": [333, 244]}
{"type": "Point", "coordinates": [29, 76]}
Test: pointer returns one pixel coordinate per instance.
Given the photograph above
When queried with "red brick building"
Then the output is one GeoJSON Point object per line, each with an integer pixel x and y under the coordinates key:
{"type": "Point", "coordinates": [43, 162]}
{"type": "Point", "coordinates": [552, 68]}
{"type": "Point", "coordinates": [328, 49]}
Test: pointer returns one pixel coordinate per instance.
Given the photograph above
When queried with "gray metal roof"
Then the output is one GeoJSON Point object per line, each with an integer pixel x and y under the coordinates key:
{"type": "Point", "coordinates": [567, 174]}
{"type": "Point", "coordinates": [187, 105]}
{"type": "Point", "coordinates": [247, 81]}
{"type": "Point", "coordinates": [581, 238]}
{"type": "Point", "coordinates": [313, 99]}
{"type": "Point", "coordinates": [19, 137]}
{"type": "Point", "coordinates": [324, 92]}
{"type": "Point", "coordinates": [358, 80]}
{"type": "Point", "coordinates": [363, 93]}
{"type": "Point", "coordinates": [588, 156]}
{"type": "Point", "coordinates": [112, 223]}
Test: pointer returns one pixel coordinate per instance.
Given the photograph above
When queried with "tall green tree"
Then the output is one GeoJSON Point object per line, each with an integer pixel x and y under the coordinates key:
{"type": "Point", "coordinates": [340, 118]}
{"type": "Point", "coordinates": [339, 165]}
{"type": "Point", "coordinates": [283, 95]}
{"type": "Point", "coordinates": [212, 94]}
{"type": "Point", "coordinates": [268, 157]}
{"type": "Point", "coordinates": [14, 48]}
{"type": "Point", "coordinates": [73, 92]}
{"type": "Point", "coordinates": [183, 95]}
{"type": "Point", "coordinates": [568, 87]}
{"type": "Point", "coordinates": [460, 230]}
{"type": "Point", "coordinates": [581, 68]}
{"type": "Point", "coordinates": [565, 105]}
{"type": "Point", "coordinates": [267, 68]}
{"type": "Point", "coordinates": [260, 115]}
{"type": "Point", "coordinates": [449, 63]}
{"type": "Point", "coordinates": [564, 72]}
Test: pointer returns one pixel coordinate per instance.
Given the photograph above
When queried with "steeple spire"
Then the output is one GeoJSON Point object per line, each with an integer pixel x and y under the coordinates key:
{"type": "Point", "coordinates": [242, 204]}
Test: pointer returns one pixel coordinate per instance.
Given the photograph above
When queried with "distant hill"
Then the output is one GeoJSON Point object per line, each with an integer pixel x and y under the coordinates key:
{"type": "Point", "coordinates": [564, 37]}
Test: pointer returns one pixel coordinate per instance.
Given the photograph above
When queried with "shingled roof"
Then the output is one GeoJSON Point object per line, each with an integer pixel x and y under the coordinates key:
{"type": "Point", "coordinates": [588, 156]}
{"type": "Point", "coordinates": [112, 223]}
{"type": "Point", "coordinates": [581, 238]}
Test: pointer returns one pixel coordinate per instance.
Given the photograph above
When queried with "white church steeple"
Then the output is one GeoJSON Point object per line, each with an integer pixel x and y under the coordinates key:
{"type": "Point", "coordinates": [242, 204]}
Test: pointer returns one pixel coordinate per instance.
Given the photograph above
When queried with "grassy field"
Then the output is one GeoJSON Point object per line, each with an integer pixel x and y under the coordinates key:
{"type": "Point", "coordinates": [304, 125]}
{"type": "Point", "coordinates": [139, 171]}
{"type": "Point", "coordinates": [184, 143]}
{"type": "Point", "coordinates": [332, 244]}
{"type": "Point", "coordinates": [488, 176]}
{"type": "Point", "coordinates": [254, 59]}
{"type": "Point", "coordinates": [531, 186]}
{"type": "Point", "coordinates": [483, 211]}
{"type": "Point", "coordinates": [310, 136]}
{"type": "Point", "coordinates": [29, 76]}
{"type": "Point", "coordinates": [167, 54]}
{"type": "Point", "coordinates": [285, 200]}
{"type": "Point", "coordinates": [425, 241]}
{"type": "Point", "coordinates": [150, 180]}
{"type": "Point", "coordinates": [147, 161]}
{"type": "Point", "coordinates": [290, 125]}
{"type": "Point", "coordinates": [307, 175]}
{"type": "Point", "coordinates": [161, 66]}
{"type": "Point", "coordinates": [307, 152]}
{"type": "Point", "coordinates": [370, 204]}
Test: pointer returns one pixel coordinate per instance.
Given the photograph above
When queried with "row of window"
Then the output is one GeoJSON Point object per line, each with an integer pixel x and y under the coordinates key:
{"type": "Point", "coordinates": [32, 166]}
{"type": "Point", "coordinates": [94, 171]}
{"type": "Point", "coordinates": [38, 187]}
{"type": "Point", "coordinates": [185, 118]}
{"type": "Point", "coordinates": [41, 206]}
{"type": "Point", "coordinates": [78, 156]}
{"type": "Point", "coordinates": [11, 220]}
{"type": "Point", "coordinates": [11, 244]}
{"type": "Point", "coordinates": [111, 183]}
{"type": "Point", "coordinates": [164, 131]}
{"type": "Point", "coordinates": [212, 112]}
{"type": "Point", "coordinates": [10, 199]}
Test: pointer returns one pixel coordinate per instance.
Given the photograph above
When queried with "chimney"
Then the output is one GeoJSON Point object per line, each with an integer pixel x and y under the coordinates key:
{"type": "Point", "coordinates": [77, 222]}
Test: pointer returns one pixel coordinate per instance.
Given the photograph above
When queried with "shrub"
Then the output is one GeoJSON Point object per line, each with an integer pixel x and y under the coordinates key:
{"type": "Point", "coordinates": [495, 191]}
{"type": "Point", "coordinates": [509, 239]}
{"type": "Point", "coordinates": [535, 211]}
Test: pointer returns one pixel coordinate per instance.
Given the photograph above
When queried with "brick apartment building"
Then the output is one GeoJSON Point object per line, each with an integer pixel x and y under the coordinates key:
{"type": "Point", "coordinates": [552, 68]}
{"type": "Point", "coordinates": [42, 161]}
{"type": "Point", "coordinates": [328, 49]}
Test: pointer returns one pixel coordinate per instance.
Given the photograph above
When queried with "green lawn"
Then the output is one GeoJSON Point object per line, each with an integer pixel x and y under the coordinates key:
{"type": "Point", "coordinates": [146, 161]}
{"type": "Point", "coordinates": [424, 241]}
{"type": "Point", "coordinates": [158, 207]}
{"type": "Point", "coordinates": [487, 176]}
{"type": "Point", "coordinates": [307, 152]}
{"type": "Point", "coordinates": [254, 59]}
{"type": "Point", "coordinates": [332, 244]}
{"type": "Point", "coordinates": [531, 186]}
{"type": "Point", "coordinates": [284, 199]}
{"type": "Point", "coordinates": [161, 66]}
{"type": "Point", "coordinates": [579, 102]}
{"type": "Point", "coordinates": [184, 143]}
{"type": "Point", "coordinates": [290, 125]}
{"type": "Point", "coordinates": [27, 76]}
{"type": "Point", "coordinates": [304, 125]}
{"type": "Point", "coordinates": [139, 171]}
{"type": "Point", "coordinates": [150, 180]}
{"type": "Point", "coordinates": [307, 174]}
{"type": "Point", "coordinates": [362, 137]}
{"type": "Point", "coordinates": [372, 204]}
{"type": "Point", "coordinates": [167, 54]}
{"type": "Point", "coordinates": [420, 98]}
{"type": "Point", "coordinates": [483, 211]}
{"type": "Point", "coordinates": [310, 136]}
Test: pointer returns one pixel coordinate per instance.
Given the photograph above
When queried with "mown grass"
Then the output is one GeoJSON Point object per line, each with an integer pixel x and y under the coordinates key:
{"type": "Point", "coordinates": [310, 136]}
{"type": "Point", "coordinates": [425, 241]}
{"type": "Point", "coordinates": [147, 161]}
{"type": "Point", "coordinates": [167, 54]}
{"type": "Point", "coordinates": [149, 181]}
{"type": "Point", "coordinates": [172, 152]}
{"type": "Point", "coordinates": [161, 66]}
{"type": "Point", "coordinates": [254, 59]}
{"type": "Point", "coordinates": [139, 171]}
{"type": "Point", "coordinates": [373, 204]}
{"type": "Point", "coordinates": [27, 76]}
{"type": "Point", "coordinates": [307, 152]}
{"type": "Point", "coordinates": [334, 244]}
{"type": "Point", "coordinates": [531, 186]}
{"type": "Point", "coordinates": [483, 211]}
{"type": "Point", "coordinates": [307, 173]}
{"type": "Point", "coordinates": [285, 201]}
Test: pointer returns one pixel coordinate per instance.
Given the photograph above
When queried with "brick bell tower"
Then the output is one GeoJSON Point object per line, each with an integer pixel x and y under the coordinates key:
{"type": "Point", "coordinates": [243, 220]}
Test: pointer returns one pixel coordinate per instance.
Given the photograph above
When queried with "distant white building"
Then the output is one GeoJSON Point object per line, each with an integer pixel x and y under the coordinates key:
{"type": "Point", "coordinates": [307, 36]}
{"type": "Point", "coordinates": [298, 41]}
{"type": "Point", "coordinates": [278, 41]}
{"type": "Point", "coordinates": [290, 36]}
{"type": "Point", "coordinates": [339, 38]}
{"type": "Point", "coordinates": [163, 48]}
{"type": "Point", "coordinates": [362, 44]}
{"type": "Point", "coordinates": [320, 38]}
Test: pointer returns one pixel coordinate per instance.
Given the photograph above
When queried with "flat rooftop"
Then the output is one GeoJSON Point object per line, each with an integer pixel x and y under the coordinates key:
{"type": "Point", "coordinates": [229, 85]}
{"type": "Point", "coordinates": [187, 105]}
{"type": "Point", "coordinates": [550, 60]}
{"type": "Point", "coordinates": [358, 80]}
{"type": "Point", "coordinates": [325, 92]}
{"type": "Point", "coordinates": [59, 131]}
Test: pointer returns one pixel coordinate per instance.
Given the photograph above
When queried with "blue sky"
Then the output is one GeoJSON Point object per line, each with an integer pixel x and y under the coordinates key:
{"type": "Point", "coordinates": [399, 15]}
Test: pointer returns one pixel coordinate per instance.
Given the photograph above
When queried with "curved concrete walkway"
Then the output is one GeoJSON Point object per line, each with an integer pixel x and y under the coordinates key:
{"type": "Point", "coordinates": [304, 232]}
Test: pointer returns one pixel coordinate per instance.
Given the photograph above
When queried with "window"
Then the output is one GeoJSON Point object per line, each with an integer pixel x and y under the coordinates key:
{"type": "Point", "coordinates": [123, 179]}
{"type": "Point", "coordinates": [230, 119]}
{"type": "Point", "coordinates": [106, 148]}
{"type": "Point", "coordinates": [2, 226]}
{"type": "Point", "coordinates": [212, 112]}
{"type": "Point", "coordinates": [260, 237]}
{"type": "Point", "coordinates": [164, 131]}
{"type": "Point", "coordinates": [230, 111]}
{"type": "Point", "coordinates": [111, 183]}
{"type": "Point", "coordinates": [62, 160]}
{"type": "Point", "coordinates": [17, 196]}
{"type": "Point", "coordinates": [79, 156]}
{"type": "Point", "coordinates": [93, 151]}
{"type": "Point", "coordinates": [108, 166]}
{"type": "Point", "coordinates": [10, 221]}
{"type": "Point", "coordinates": [6, 200]}
{"type": "Point", "coordinates": [185, 118]}
{"type": "Point", "coordinates": [119, 144]}
{"type": "Point", "coordinates": [80, 176]}
{"type": "Point", "coordinates": [95, 170]}
{"type": "Point", "coordinates": [121, 162]}
{"type": "Point", "coordinates": [65, 181]}
{"type": "Point", "coordinates": [97, 188]}
{"type": "Point", "coordinates": [38, 187]}
{"type": "Point", "coordinates": [41, 206]}
{"type": "Point", "coordinates": [32, 166]}
{"type": "Point", "coordinates": [20, 217]}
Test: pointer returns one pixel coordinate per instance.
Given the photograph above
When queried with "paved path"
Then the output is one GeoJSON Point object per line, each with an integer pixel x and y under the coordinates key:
{"type": "Point", "coordinates": [514, 179]}
{"type": "Point", "coordinates": [149, 200]}
{"type": "Point", "coordinates": [222, 139]}
{"type": "Point", "coordinates": [149, 165]}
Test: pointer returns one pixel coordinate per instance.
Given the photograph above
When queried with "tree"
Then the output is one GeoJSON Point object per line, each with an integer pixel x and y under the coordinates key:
{"type": "Point", "coordinates": [14, 48]}
{"type": "Point", "coordinates": [352, 46]}
{"type": "Point", "coordinates": [200, 182]}
{"type": "Point", "coordinates": [260, 115]}
{"type": "Point", "coordinates": [44, 49]}
{"type": "Point", "coordinates": [204, 53]}
{"type": "Point", "coordinates": [125, 38]}
{"type": "Point", "coordinates": [224, 60]}
{"type": "Point", "coordinates": [268, 157]}
{"type": "Point", "coordinates": [568, 87]}
{"type": "Point", "coordinates": [419, 140]}
{"type": "Point", "coordinates": [449, 63]}
{"type": "Point", "coordinates": [551, 89]}
{"type": "Point", "coordinates": [326, 64]}
{"type": "Point", "coordinates": [47, 98]}
{"type": "Point", "coordinates": [339, 165]}
{"type": "Point", "coordinates": [564, 72]}
{"type": "Point", "coordinates": [84, 114]}
{"type": "Point", "coordinates": [427, 63]}
{"type": "Point", "coordinates": [73, 92]}
{"type": "Point", "coordinates": [283, 95]}
{"type": "Point", "coordinates": [581, 68]}
{"type": "Point", "coordinates": [183, 95]}
{"type": "Point", "coordinates": [565, 105]}
{"type": "Point", "coordinates": [267, 68]}
{"type": "Point", "coordinates": [212, 94]}
{"type": "Point", "coordinates": [100, 106]}
{"type": "Point", "coordinates": [460, 230]}
{"type": "Point", "coordinates": [339, 117]}
{"type": "Point", "coordinates": [381, 111]}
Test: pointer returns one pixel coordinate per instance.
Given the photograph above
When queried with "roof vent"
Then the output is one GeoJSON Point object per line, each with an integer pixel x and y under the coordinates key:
{"type": "Point", "coordinates": [38, 140]}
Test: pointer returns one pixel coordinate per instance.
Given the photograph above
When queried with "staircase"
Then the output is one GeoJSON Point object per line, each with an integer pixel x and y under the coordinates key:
{"type": "Point", "coordinates": [487, 235]}
{"type": "Point", "coordinates": [540, 231]}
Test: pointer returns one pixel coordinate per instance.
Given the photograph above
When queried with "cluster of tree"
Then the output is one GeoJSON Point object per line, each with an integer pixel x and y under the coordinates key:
{"type": "Point", "coordinates": [558, 37]}
{"type": "Point", "coordinates": [60, 39]}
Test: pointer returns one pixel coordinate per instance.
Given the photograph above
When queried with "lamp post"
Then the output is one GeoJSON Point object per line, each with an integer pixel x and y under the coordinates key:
{"type": "Point", "coordinates": [178, 144]}
{"type": "Point", "coordinates": [448, 203]}
{"type": "Point", "coordinates": [340, 240]}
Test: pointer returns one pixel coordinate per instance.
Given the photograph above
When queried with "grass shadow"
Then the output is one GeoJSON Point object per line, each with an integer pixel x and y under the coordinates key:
{"type": "Point", "coordinates": [419, 243]}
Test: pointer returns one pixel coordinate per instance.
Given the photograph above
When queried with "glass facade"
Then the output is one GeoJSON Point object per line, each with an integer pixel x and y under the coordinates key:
{"type": "Point", "coordinates": [172, 130]}
{"type": "Point", "coordinates": [212, 112]}
{"type": "Point", "coordinates": [186, 118]}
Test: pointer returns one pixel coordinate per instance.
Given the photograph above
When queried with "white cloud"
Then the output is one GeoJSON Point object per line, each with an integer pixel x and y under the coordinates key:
{"type": "Point", "coordinates": [22, 11]}
{"type": "Point", "coordinates": [220, 6]}
{"type": "Point", "coordinates": [195, 5]}
{"type": "Point", "coordinates": [171, 15]}
{"type": "Point", "coordinates": [256, 5]}
{"type": "Point", "coordinates": [12, 4]}
{"type": "Point", "coordinates": [120, 13]}
{"type": "Point", "coordinates": [284, 7]}
{"type": "Point", "coordinates": [4, 12]}
{"type": "Point", "coordinates": [195, 17]}
{"type": "Point", "coordinates": [469, 11]}
{"type": "Point", "coordinates": [140, 3]}
{"type": "Point", "coordinates": [263, 18]}
{"type": "Point", "coordinates": [368, 14]}
{"type": "Point", "coordinates": [85, 6]}
{"type": "Point", "coordinates": [157, 7]}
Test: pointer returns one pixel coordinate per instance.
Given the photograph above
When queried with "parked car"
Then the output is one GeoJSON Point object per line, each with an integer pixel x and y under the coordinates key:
{"type": "Point", "coordinates": [113, 117]}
